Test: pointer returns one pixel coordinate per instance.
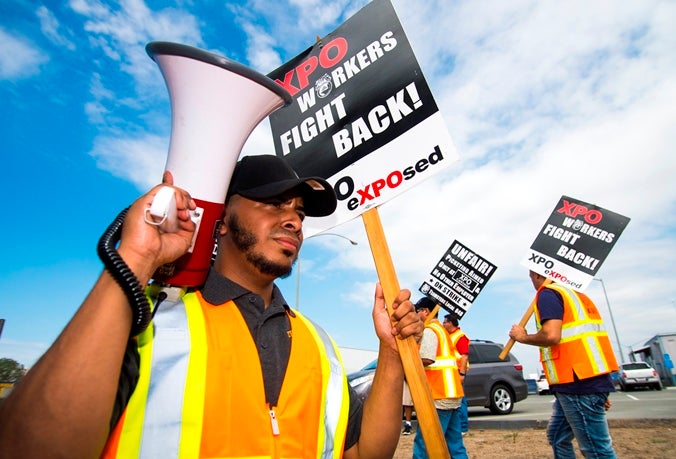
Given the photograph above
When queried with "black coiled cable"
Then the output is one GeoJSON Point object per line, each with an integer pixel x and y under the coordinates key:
{"type": "Point", "coordinates": [140, 307]}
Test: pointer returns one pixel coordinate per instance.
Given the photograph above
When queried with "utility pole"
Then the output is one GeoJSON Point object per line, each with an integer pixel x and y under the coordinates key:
{"type": "Point", "coordinates": [612, 320]}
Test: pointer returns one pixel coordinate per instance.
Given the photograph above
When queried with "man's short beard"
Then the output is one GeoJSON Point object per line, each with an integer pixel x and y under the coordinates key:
{"type": "Point", "coordinates": [245, 240]}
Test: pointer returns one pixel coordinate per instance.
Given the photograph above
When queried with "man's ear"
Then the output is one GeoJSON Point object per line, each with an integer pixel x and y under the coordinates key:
{"type": "Point", "coordinates": [221, 227]}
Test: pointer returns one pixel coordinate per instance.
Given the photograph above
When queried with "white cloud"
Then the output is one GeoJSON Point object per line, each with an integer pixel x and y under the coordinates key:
{"type": "Point", "coordinates": [261, 52]}
{"type": "Point", "coordinates": [140, 160]}
{"type": "Point", "coordinates": [52, 29]}
{"type": "Point", "coordinates": [19, 58]}
{"type": "Point", "coordinates": [121, 33]}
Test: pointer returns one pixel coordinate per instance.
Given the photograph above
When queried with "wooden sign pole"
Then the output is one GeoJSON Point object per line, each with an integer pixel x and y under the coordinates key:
{"type": "Point", "coordinates": [433, 314]}
{"type": "Point", "coordinates": [428, 419]}
{"type": "Point", "coordinates": [524, 320]}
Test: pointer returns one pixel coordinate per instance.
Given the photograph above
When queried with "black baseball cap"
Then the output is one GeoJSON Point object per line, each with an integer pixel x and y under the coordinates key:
{"type": "Point", "coordinates": [267, 176]}
{"type": "Point", "coordinates": [452, 319]}
{"type": "Point", "coordinates": [425, 303]}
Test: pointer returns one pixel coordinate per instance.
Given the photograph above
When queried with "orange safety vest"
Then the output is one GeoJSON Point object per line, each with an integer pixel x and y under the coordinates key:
{"type": "Point", "coordinates": [443, 376]}
{"type": "Point", "coordinates": [200, 391]}
{"type": "Point", "coordinates": [455, 337]}
{"type": "Point", "coordinates": [584, 348]}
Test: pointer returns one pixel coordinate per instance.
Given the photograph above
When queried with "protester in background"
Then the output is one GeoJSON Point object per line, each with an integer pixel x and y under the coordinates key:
{"type": "Point", "coordinates": [577, 359]}
{"type": "Point", "coordinates": [460, 347]}
{"type": "Point", "coordinates": [226, 370]}
{"type": "Point", "coordinates": [443, 378]}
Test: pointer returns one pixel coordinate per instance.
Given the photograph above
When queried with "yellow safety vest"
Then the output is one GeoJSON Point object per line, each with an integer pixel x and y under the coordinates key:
{"type": "Point", "coordinates": [200, 391]}
{"type": "Point", "coordinates": [443, 376]}
{"type": "Point", "coordinates": [584, 348]}
{"type": "Point", "coordinates": [455, 337]}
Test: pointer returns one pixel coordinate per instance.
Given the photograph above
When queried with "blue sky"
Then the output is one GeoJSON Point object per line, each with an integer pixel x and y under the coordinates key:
{"type": "Point", "coordinates": [542, 99]}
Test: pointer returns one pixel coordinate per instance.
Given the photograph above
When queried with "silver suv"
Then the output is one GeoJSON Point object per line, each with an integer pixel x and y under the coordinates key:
{"type": "Point", "coordinates": [490, 382]}
{"type": "Point", "coordinates": [493, 383]}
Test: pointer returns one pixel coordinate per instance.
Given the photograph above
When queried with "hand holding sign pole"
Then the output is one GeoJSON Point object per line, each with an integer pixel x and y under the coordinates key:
{"type": "Point", "coordinates": [523, 322]}
{"type": "Point", "coordinates": [408, 348]}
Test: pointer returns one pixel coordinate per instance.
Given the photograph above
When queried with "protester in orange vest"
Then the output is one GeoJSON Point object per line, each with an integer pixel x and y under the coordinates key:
{"type": "Point", "coordinates": [224, 370]}
{"type": "Point", "coordinates": [577, 359]}
{"type": "Point", "coordinates": [460, 346]}
{"type": "Point", "coordinates": [441, 369]}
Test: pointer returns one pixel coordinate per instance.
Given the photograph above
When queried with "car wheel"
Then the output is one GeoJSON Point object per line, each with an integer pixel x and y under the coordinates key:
{"type": "Point", "coordinates": [502, 400]}
{"type": "Point", "coordinates": [658, 386]}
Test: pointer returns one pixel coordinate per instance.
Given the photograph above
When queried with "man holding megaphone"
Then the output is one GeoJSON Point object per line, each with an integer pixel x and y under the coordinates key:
{"type": "Point", "coordinates": [225, 370]}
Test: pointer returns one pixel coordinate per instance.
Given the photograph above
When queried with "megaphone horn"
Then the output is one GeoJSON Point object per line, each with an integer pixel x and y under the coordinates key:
{"type": "Point", "coordinates": [215, 105]}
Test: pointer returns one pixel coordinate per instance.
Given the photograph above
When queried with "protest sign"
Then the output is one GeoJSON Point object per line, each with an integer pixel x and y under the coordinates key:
{"type": "Point", "coordinates": [574, 242]}
{"type": "Point", "coordinates": [570, 248]}
{"type": "Point", "coordinates": [457, 279]}
{"type": "Point", "coordinates": [363, 116]}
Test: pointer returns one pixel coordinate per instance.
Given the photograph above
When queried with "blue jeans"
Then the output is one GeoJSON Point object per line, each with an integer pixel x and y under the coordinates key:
{"type": "Point", "coordinates": [582, 417]}
{"type": "Point", "coordinates": [464, 415]}
{"type": "Point", "coordinates": [450, 426]}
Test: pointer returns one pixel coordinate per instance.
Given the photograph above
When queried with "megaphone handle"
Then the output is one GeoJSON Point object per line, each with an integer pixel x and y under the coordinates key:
{"type": "Point", "coordinates": [162, 211]}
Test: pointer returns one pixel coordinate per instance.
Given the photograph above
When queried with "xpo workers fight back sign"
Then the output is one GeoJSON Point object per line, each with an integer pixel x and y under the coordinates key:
{"type": "Point", "coordinates": [362, 117]}
{"type": "Point", "coordinates": [574, 242]}
{"type": "Point", "coordinates": [457, 279]}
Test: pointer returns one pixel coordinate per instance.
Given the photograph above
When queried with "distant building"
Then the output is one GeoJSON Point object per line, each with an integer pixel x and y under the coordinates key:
{"type": "Point", "coordinates": [356, 359]}
{"type": "Point", "coordinates": [659, 351]}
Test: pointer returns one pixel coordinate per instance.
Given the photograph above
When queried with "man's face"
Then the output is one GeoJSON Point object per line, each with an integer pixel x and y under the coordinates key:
{"type": "Point", "coordinates": [536, 279]}
{"type": "Point", "coordinates": [266, 234]}
{"type": "Point", "coordinates": [448, 325]}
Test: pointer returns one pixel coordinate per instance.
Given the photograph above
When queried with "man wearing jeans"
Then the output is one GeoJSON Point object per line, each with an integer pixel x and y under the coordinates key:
{"type": "Point", "coordinates": [577, 359]}
{"type": "Point", "coordinates": [441, 370]}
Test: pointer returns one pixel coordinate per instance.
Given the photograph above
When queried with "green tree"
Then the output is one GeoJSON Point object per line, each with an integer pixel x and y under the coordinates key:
{"type": "Point", "coordinates": [11, 371]}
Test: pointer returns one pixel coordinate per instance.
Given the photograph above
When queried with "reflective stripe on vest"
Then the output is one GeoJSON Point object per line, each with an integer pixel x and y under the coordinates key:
{"type": "Point", "coordinates": [442, 375]}
{"type": "Point", "coordinates": [165, 415]}
{"type": "Point", "coordinates": [455, 337]}
{"type": "Point", "coordinates": [584, 347]}
{"type": "Point", "coordinates": [336, 405]}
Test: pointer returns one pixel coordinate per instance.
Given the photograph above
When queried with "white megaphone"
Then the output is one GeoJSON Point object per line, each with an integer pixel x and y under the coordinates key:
{"type": "Point", "coordinates": [215, 104]}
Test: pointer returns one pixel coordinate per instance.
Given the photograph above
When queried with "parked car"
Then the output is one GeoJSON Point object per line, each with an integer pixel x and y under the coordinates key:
{"type": "Point", "coordinates": [532, 386]}
{"type": "Point", "coordinates": [543, 385]}
{"type": "Point", "coordinates": [361, 380]}
{"type": "Point", "coordinates": [638, 374]}
{"type": "Point", "coordinates": [490, 382]}
{"type": "Point", "coordinates": [493, 383]}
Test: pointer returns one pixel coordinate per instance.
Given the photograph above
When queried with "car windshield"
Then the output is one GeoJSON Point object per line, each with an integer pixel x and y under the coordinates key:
{"type": "Point", "coordinates": [635, 366]}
